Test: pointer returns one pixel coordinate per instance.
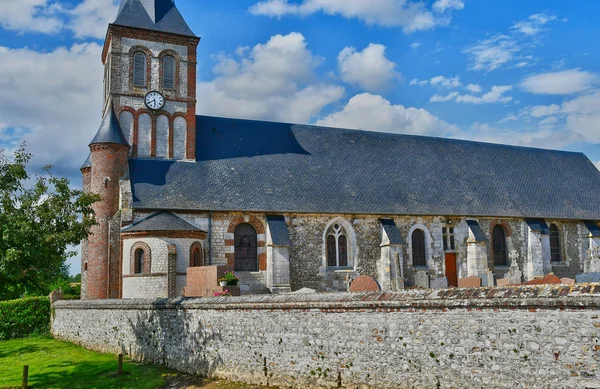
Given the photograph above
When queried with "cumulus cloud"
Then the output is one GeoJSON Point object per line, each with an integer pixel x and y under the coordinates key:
{"type": "Point", "coordinates": [369, 69]}
{"type": "Point", "coordinates": [410, 15]}
{"type": "Point", "coordinates": [53, 101]}
{"type": "Point", "coordinates": [544, 110]}
{"type": "Point", "coordinates": [88, 19]}
{"type": "Point", "coordinates": [565, 82]}
{"type": "Point", "coordinates": [275, 81]}
{"type": "Point", "coordinates": [474, 88]}
{"type": "Point", "coordinates": [495, 95]}
{"type": "Point", "coordinates": [453, 82]}
{"type": "Point", "coordinates": [373, 112]}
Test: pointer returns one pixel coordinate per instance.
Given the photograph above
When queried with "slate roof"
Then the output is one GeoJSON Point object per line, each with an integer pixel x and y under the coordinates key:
{"type": "Point", "coordinates": [87, 163]}
{"type": "Point", "coordinates": [392, 231]}
{"type": "Point", "coordinates": [161, 221]}
{"type": "Point", "coordinates": [247, 165]}
{"type": "Point", "coordinates": [538, 225]}
{"type": "Point", "coordinates": [279, 231]}
{"type": "Point", "coordinates": [155, 15]}
{"type": "Point", "coordinates": [110, 130]}
{"type": "Point", "coordinates": [477, 231]}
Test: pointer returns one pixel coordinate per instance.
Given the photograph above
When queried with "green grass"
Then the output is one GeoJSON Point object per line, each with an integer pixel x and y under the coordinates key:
{"type": "Point", "coordinates": [61, 365]}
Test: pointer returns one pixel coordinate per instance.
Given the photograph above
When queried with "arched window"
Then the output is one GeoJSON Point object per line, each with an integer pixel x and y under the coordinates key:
{"type": "Point", "coordinates": [139, 261]}
{"type": "Point", "coordinates": [418, 248]}
{"type": "Point", "coordinates": [196, 255]}
{"type": "Point", "coordinates": [499, 246]}
{"type": "Point", "coordinates": [168, 72]}
{"type": "Point", "coordinates": [246, 253]}
{"type": "Point", "coordinates": [337, 247]}
{"type": "Point", "coordinates": [139, 69]}
{"type": "Point", "coordinates": [555, 250]}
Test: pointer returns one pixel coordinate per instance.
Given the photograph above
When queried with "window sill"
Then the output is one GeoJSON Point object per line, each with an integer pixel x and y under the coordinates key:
{"type": "Point", "coordinates": [340, 269]}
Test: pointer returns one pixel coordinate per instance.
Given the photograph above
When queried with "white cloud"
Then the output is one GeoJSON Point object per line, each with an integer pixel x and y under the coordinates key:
{"type": "Point", "coordinates": [56, 97]}
{"type": "Point", "coordinates": [274, 81]}
{"type": "Point", "coordinates": [534, 24]}
{"type": "Point", "coordinates": [410, 15]}
{"type": "Point", "coordinates": [89, 18]}
{"type": "Point", "coordinates": [415, 45]}
{"type": "Point", "coordinates": [444, 5]}
{"type": "Point", "coordinates": [560, 83]}
{"type": "Point", "coordinates": [474, 88]}
{"type": "Point", "coordinates": [30, 15]}
{"type": "Point", "coordinates": [418, 82]}
{"type": "Point", "coordinates": [453, 82]}
{"type": "Point", "coordinates": [495, 95]}
{"type": "Point", "coordinates": [549, 121]}
{"type": "Point", "coordinates": [375, 113]}
{"type": "Point", "coordinates": [492, 53]}
{"type": "Point", "coordinates": [369, 69]}
{"type": "Point", "coordinates": [544, 110]}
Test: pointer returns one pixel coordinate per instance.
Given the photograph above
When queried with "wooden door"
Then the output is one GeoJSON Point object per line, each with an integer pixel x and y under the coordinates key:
{"type": "Point", "coordinates": [451, 271]}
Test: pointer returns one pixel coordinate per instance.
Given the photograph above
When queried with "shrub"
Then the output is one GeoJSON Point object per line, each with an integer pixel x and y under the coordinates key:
{"type": "Point", "coordinates": [24, 317]}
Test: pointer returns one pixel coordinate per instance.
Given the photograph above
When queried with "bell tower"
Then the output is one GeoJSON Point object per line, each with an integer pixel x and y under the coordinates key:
{"type": "Point", "coordinates": [150, 77]}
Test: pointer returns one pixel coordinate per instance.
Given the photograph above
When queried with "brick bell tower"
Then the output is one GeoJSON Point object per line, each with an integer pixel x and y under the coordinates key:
{"type": "Point", "coordinates": [149, 111]}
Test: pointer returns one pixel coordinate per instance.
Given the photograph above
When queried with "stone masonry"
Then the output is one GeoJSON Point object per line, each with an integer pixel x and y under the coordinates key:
{"type": "Point", "coordinates": [526, 337]}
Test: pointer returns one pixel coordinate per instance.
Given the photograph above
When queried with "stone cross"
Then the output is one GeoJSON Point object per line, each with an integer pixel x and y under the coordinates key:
{"type": "Point", "coordinates": [514, 275]}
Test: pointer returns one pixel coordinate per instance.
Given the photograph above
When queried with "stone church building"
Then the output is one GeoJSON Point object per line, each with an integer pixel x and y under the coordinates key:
{"type": "Point", "coordinates": [294, 206]}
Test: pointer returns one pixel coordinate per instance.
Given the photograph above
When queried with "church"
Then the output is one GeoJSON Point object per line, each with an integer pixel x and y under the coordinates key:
{"type": "Point", "coordinates": [292, 206]}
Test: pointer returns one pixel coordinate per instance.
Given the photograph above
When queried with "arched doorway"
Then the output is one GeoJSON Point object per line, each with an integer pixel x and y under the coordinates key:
{"type": "Point", "coordinates": [499, 246]}
{"type": "Point", "coordinates": [246, 253]}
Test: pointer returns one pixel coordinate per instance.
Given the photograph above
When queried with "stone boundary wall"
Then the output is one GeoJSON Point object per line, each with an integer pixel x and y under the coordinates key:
{"type": "Point", "coordinates": [523, 337]}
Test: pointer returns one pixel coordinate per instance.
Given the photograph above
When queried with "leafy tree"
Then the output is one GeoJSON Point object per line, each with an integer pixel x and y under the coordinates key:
{"type": "Point", "coordinates": [40, 217]}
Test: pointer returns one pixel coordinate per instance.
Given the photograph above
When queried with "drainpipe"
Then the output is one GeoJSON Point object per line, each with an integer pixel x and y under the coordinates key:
{"type": "Point", "coordinates": [210, 238]}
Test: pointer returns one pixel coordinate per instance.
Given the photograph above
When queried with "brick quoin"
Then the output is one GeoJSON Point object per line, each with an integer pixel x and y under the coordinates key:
{"type": "Point", "coordinates": [109, 164]}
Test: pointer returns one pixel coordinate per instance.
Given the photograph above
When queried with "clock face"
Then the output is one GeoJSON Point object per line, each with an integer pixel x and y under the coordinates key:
{"type": "Point", "coordinates": [155, 100]}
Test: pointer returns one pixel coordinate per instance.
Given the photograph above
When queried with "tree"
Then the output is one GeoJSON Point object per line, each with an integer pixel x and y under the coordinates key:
{"type": "Point", "coordinates": [40, 217]}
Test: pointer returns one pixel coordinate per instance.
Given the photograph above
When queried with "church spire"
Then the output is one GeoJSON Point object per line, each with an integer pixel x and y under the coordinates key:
{"type": "Point", "coordinates": [110, 130]}
{"type": "Point", "coordinates": [155, 15]}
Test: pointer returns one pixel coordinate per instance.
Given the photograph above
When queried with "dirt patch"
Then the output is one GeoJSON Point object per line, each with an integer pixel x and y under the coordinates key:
{"type": "Point", "coordinates": [182, 381]}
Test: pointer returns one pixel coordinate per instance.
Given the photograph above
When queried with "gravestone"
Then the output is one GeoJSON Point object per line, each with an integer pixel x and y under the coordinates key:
{"type": "Point", "coordinates": [439, 283]}
{"type": "Point", "coordinates": [567, 281]}
{"type": "Point", "coordinates": [593, 260]}
{"type": "Point", "coordinates": [422, 279]}
{"type": "Point", "coordinates": [488, 279]}
{"type": "Point", "coordinates": [514, 275]}
{"type": "Point", "coordinates": [469, 282]}
{"type": "Point", "coordinates": [549, 279]}
{"type": "Point", "coordinates": [503, 282]}
{"type": "Point", "coordinates": [364, 284]}
{"type": "Point", "coordinates": [588, 278]}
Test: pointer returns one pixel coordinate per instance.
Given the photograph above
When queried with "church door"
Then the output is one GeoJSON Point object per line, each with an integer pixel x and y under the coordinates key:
{"type": "Point", "coordinates": [246, 253]}
{"type": "Point", "coordinates": [451, 271]}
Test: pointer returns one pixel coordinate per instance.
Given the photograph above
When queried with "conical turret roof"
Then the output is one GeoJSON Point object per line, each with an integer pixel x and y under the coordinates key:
{"type": "Point", "coordinates": [156, 15]}
{"type": "Point", "coordinates": [110, 130]}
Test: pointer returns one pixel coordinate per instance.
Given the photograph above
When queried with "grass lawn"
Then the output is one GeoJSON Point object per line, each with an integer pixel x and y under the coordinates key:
{"type": "Point", "coordinates": [55, 364]}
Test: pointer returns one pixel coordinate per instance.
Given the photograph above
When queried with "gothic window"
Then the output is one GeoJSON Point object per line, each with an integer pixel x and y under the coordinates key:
{"type": "Point", "coordinates": [449, 241]}
{"type": "Point", "coordinates": [139, 69]}
{"type": "Point", "coordinates": [555, 250]}
{"type": "Point", "coordinates": [169, 72]}
{"type": "Point", "coordinates": [196, 255]}
{"type": "Point", "coordinates": [337, 247]}
{"type": "Point", "coordinates": [499, 246]}
{"type": "Point", "coordinates": [139, 259]}
{"type": "Point", "coordinates": [246, 252]}
{"type": "Point", "coordinates": [418, 248]}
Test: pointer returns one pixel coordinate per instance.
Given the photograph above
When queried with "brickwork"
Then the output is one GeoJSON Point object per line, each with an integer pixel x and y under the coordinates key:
{"type": "Point", "coordinates": [87, 184]}
{"type": "Point", "coordinates": [527, 337]}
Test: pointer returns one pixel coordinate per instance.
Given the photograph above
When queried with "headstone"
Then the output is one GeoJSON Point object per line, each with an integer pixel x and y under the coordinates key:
{"type": "Point", "coordinates": [305, 291]}
{"type": "Point", "coordinates": [439, 283]}
{"type": "Point", "coordinates": [588, 278]}
{"type": "Point", "coordinates": [422, 279]}
{"type": "Point", "coordinates": [364, 284]}
{"type": "Point", "coordinates": [593, 260]}
{"type": "Point", "coordinates": [550, 279]}
{"type": "Point", "coordinates": [503, 282]}
{"type": "Point", "coordinates": [567, 281]}
{"type": "Point", "coordinates": [469, 282]}
{"type": "Point", "coordinates": [488, 279]}
{"type": "Point", "coordinates": [514, 275]}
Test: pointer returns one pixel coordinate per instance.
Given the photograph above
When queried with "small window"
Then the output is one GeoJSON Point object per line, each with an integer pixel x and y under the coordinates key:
{"type": "Point", "coordinates": [140, 258]}
{"type": "Point", "coordinates": [499, 246]}
{"type": "Point", "coordinates": [196, 256]}
{"type": "Point", "coordinates": [337, 247]}
{"type": "Point", "coordinates": [139, 69]}
{"type": "Point", "coordinates": [418, 248]}
{"type": "Point", "coordinates": [555, 250]}
{"type": "Point", "coordinates": [449, 242]}
{"type": "Point", "coordinates": [169, 73]}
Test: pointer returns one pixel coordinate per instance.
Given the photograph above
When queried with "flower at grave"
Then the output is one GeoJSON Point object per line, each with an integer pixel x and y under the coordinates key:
{"type": "Point", "coordinates": [231, 279]}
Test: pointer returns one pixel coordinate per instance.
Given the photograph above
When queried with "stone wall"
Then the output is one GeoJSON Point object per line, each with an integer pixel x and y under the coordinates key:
{"type": "Point", "coordinates": [528, 337]}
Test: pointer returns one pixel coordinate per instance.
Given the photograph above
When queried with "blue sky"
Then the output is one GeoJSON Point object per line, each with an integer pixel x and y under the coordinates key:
{"type": "Point", "coordinates": [512, 71]}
